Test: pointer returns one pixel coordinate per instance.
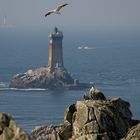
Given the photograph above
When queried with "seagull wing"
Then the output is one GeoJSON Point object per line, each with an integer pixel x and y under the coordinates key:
{"type": "Point", "coordinates": [60, 6]}
{"type": "Point", "coordinates": [48, 13]}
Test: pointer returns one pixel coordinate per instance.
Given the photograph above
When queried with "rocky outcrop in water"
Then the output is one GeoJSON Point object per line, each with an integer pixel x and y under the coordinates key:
{"type": "Point", "coordinates": [93, 118]}
{"type": "Point", "coordinates": [9, 129]}
{"type": "Point", "coordinates": [42, 78]}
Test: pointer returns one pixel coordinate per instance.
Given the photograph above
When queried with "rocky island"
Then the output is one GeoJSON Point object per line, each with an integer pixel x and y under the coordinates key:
{"type": "Point", "coordinates": [54, 75]}
{"type": "Point", "coordinates": [93, 118]}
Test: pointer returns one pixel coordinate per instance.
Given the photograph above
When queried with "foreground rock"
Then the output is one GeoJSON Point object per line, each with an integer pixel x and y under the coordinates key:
{"type": "Point", "coordinates": [133, 133]}
{"type": "Point", "coordinates": [63, 131]}
{"type": "Point", "coordinates": [9, 129]}
{"type": "Point", "coordinates": [59, 78]}
{"type": "Point", "coordinates": [94, 118]}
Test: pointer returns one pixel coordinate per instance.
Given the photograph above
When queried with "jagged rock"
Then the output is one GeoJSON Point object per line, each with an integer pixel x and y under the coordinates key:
{"type": "Point", "coordinates": [63, 131]}
{"type": "Point", "coordinates": [102, 116]}
{"type": "Point", "coordinates": [133, 133]}
{"type": "Point", "coordinates": [94, 118]}
{"type": "Point", "coordinates": [122, 106]}
{"type": "Point", "coordinates": [69, 113]}
{"type": "Point", "coordinates": [9, 129]}
{"type": "Point", "coordinates": [45, 133]}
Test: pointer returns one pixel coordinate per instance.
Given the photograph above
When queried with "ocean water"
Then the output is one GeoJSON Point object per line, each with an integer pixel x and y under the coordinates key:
{"type": "Point", "coordinates": [109, 59]}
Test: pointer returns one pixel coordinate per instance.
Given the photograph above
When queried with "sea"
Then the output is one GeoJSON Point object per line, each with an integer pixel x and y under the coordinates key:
{"type": "Point", "coordinates": [110, 59]}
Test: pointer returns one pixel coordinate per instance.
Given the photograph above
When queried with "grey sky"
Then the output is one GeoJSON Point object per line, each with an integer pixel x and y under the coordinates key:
{"type": "Point", "coordinates": [78, 14]}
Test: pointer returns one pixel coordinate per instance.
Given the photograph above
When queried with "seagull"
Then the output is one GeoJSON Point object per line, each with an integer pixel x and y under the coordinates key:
{"type": "Point", "coordinates": [56, 11]}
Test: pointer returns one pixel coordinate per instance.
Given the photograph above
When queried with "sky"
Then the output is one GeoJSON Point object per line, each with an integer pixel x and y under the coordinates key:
{"type": "Point", "coordinates": [79, 14]}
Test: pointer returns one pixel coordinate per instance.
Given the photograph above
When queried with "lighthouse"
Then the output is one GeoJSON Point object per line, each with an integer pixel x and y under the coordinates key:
{"type": "Point", "coordinates": [54, 76]}
{"type": "Point", "coordinates": [55, 50]}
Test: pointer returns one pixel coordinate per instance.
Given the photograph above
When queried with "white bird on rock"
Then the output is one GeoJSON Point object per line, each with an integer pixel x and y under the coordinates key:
{"type": "Point", "coordinates": [57, 10]}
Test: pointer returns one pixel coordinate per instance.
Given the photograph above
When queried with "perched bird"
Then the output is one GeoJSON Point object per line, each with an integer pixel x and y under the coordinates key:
{"type": "Point", "coordinates": [56, 11]}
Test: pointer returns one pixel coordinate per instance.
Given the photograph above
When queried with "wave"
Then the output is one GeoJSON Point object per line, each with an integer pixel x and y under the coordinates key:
{"type": "Point", "coordinates": [5, 86]}
{"type": "Point", "coordinates": [18, 89]}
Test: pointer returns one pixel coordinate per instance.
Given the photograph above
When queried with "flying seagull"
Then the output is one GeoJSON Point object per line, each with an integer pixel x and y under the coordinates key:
{"type": "Point", "coordinates": [56, 11]}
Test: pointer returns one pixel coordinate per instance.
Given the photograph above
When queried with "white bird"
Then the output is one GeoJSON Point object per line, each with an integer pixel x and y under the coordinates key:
{"type": "Point", "coordinates": [57, 10]}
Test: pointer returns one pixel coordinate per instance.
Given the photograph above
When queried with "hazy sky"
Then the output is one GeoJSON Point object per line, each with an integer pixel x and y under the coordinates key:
{"type": "Point", "coordinates": [84, 14]}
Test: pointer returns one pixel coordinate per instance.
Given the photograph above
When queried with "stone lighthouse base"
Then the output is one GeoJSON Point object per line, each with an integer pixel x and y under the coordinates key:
{"type": "Point", "coordinates": [45, 78]}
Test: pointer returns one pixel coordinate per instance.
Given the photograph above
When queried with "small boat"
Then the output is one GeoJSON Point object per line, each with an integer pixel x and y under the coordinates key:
{"type": "Point", "coordinates": [89, 48]}
{"type": "Point", "coordinates": [80, 47]}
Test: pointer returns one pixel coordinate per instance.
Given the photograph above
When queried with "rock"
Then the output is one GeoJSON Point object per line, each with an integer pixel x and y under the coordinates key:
{"type": "Point", "coordinates": [94, 94]}
{"type": "Point", "coordinates": [9, 129]}
{"type": "Point", "coordinates": [63, 131]}
{"type": "Point", "coordinates": [133, 133]}
{"type": "Point", "coordinates": [45, 78]}
{"type": "Point", "coordinates": [42, 78]}
{"type": "Point", "coordinates": [123, 108]}
{"type": "Point", "coordinates": [69, 113]}
{"type": "Point", "coordinates": [94, 118]}
{"type": "Point", "coordinates": [45, 133]}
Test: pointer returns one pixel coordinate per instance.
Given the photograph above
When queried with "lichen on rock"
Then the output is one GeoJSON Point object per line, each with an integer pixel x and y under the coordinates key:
{"type": "Point", "coordinates": [133, 133]}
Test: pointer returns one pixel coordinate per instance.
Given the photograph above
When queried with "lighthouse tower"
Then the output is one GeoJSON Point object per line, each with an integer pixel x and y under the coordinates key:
{"type": "Point", "coordinates": [55, 50]}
